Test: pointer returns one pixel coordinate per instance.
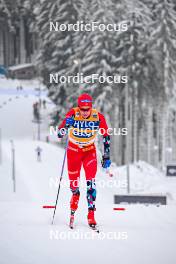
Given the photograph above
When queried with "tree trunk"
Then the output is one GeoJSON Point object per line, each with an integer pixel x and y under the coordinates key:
{"type": "Point", "coordinates": [149, 134]}
{"type": "Point", "coordinates": [22, 41]}
{"type": "Point", "coordinates": [134, 123]}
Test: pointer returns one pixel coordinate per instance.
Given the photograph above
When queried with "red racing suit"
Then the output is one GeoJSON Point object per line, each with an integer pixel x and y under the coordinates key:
{"type": "Point", "coordinates": [81, 148]}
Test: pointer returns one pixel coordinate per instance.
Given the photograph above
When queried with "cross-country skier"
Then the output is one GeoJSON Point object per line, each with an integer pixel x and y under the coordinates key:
{"type": "Point", "coordinates": [84, 122]}
{"type": "Point", "coordinates": [38, 151]}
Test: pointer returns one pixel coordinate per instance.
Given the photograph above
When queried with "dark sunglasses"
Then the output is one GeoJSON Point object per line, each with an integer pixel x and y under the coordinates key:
{"type": "Point", "coordinates": [84, 110]}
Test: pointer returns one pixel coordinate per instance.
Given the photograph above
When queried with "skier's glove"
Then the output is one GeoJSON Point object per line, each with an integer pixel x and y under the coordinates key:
{"type": "Point", "coordinates": [69, 122]}
{"type": "Point", "coordinates": [106, 162]}
{"type": "Point", "coordinates": [59, 134]}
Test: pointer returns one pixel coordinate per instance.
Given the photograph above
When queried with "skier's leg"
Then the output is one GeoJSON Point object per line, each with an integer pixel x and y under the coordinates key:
{"type": "Point", "coordinates": [90, 167]}
{"type": "Point", "coordinates": [91, 194]}
{"type": "Point", "coordinates": [74, 166]}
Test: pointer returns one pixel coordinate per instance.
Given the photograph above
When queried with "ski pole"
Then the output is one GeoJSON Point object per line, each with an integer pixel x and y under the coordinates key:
{"type": "Point", "coordinates": [60, 179]}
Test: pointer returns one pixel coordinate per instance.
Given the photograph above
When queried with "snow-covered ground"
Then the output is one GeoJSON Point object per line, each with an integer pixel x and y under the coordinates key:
{"type": "Point", "coordinates": [140, 234]}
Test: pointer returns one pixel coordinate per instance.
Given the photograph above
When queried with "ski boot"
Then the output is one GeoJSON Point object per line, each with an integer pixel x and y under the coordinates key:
{"type": "Point", "coordinates": [91, 218]}
{"type": "Point", "coordinates": [72, 215]}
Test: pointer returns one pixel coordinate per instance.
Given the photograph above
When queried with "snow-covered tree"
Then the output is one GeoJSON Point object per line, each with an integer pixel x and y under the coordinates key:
{"type": "Point", "coordinates": [163, 42]}
{"type": "Point", "coordinates": [56, 46]}
{"type": "Point", "coordinates": [132, 54]}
